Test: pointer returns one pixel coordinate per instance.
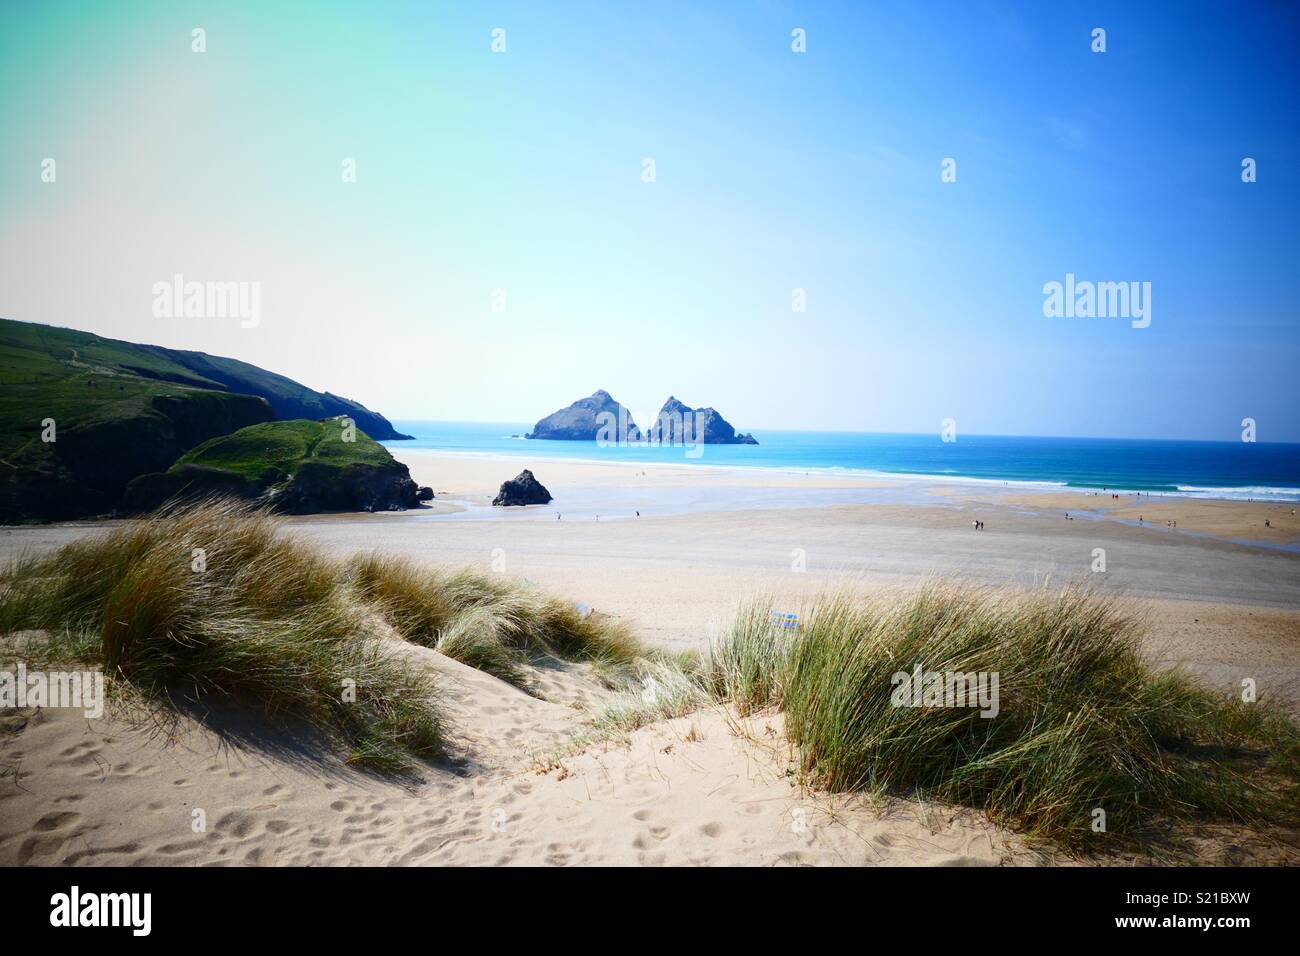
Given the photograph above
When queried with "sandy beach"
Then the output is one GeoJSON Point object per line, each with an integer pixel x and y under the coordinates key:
{"type": "Point", "coordinates": [710, 788]}
{"type": "Point", "coordinates": [1221, 608]}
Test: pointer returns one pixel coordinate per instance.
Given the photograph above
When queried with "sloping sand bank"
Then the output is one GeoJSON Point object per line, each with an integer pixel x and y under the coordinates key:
{"type": "Point", "coordinates": [705, 789]}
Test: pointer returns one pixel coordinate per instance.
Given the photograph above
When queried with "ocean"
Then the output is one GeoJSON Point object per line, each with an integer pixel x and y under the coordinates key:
{"type": "Point", "coordinates": [1259, 470]}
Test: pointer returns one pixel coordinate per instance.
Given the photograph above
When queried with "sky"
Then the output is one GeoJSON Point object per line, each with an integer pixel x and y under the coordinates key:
{"type": "Point", "coordinates": [517, 178]}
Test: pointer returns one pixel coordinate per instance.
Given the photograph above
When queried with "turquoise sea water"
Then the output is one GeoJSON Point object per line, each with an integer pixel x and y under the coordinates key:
{"type": "Point", "coordinates": [1257, 470]}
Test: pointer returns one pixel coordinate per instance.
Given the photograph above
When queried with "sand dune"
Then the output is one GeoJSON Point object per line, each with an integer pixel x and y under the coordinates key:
{"type": "Point", "coordinates": [707, 789]}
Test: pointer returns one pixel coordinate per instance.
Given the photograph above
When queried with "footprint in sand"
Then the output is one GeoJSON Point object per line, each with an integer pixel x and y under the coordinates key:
{"type": "Point", "coordinates": [53, 821]}
{"type": "Point", "coordinates": [560, 854]}
{"type": "Point", "coordinates": [658, 834]}
{"type": "Point", "coordinates": [126, 849]}
{"type": "Point", "coordinates": [42, 848]}
{"type": "Point", "coordinates": [238, 823]}
{"type": "Point", "coordinates": [176, 849]}
{"type": "Point", "coordinates": [131, 770]}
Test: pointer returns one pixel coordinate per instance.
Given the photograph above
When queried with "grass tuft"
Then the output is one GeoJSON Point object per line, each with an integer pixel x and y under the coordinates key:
{"type": "Point", "coordinates": [215, 599]}
{"type": "Point", "coordinates": [490, 623]}
{"type": "Point", "coordinates": [1084, 721]}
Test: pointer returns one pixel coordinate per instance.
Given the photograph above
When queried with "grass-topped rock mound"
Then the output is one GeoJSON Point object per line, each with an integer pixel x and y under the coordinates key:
{"type": "Point", "coordinates": [294, 467]}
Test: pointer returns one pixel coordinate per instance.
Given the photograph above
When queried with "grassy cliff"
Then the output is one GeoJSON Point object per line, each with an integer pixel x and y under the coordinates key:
{"type": "Point", "coordinates": [120, 410]}
{"type": "Point", "coordinates": [296, 467]}
{"type": "Point", "coordinates": [78, 420]}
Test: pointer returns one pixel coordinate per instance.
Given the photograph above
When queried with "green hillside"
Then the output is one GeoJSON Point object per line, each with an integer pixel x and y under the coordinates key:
{"type": "Point", "coordinates": [296, 467]}
{"type": "Point", "coordinates": [288, 399]}
{"type": "Point", "coordinates": [117, 412]}
{"type": "Point", "coordinates": [121, 410]}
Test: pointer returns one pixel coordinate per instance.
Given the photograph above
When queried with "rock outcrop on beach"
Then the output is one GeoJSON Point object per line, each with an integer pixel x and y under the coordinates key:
{"type": "Point", "coordinates": [677, 424]}
{"type": "Point", "coordinates": [582, 421]}
{"type": "Point", "coordinates": [523, 489]}
{"type": "Point", "coordinates": [296, 467]}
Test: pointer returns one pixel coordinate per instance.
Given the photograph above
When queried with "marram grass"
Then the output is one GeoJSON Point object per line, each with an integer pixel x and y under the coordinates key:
{"type": "Point", "coordinates": [216, 599]}
{"type": "Point", "coordinates": [1084, 722]}
{"type": "Point", "coordinates": [489, 623]}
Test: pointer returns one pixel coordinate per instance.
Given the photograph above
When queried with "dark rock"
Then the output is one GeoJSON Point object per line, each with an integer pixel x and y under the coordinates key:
{"type": "Point", "coordinates": [597, 416]}
{"type": "Point", "coordinates": [424, 494]}
{"type": "Point", "coordinates": [523, 489]}
{"type": "Point", "coordinates": [676, 425]}
{"type": "Point", "coordinates": [317, 486]}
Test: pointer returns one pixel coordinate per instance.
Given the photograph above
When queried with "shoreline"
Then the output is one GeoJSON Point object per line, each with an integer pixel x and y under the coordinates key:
{"type": "Point", "coordinates": [1246, 493]}
{"type": "Point", "coordinates": [465, 482]}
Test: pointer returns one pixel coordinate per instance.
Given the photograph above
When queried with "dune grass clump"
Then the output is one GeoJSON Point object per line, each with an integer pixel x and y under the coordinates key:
{"type": "Point", "coordinates": [660, 686]}
{"type": "Point", "coordinates": [1083, 722]}
{"type": "Point", "coordinates": [493, 624]}
{"type": "Point", "coordinates": [216, 600]}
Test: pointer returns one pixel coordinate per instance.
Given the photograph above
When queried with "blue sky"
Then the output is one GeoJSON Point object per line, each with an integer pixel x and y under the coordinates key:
{"type": "Point", "coordinates": [521, 171]}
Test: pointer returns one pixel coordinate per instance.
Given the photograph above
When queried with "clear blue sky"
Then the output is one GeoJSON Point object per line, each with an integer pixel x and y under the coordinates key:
{"type": "Point", "coordinates": [522, 171]}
